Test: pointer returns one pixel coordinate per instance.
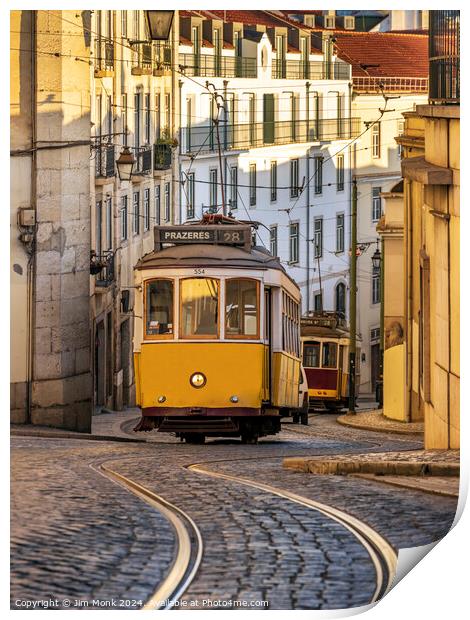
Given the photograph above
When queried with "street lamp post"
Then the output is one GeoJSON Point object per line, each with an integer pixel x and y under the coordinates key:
{"type": "Point", "coordinates": [352, 303]}
{"type": "Point", "coordinates": [159, 24]}
{"type": "Point", "coordinates": [125, 164]}
{"type": "Point", "coordinates": [378, 269]}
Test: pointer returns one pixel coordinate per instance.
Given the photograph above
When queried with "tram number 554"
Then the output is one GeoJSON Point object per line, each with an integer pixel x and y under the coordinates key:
{"type": "Point", "coordinates": [199, 272]}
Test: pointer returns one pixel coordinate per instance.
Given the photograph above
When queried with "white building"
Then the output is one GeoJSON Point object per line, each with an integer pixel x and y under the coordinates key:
{"type": "Point", "coordinates": [385, 84]}
{"type": "Point", "coordinates": [284, 127]}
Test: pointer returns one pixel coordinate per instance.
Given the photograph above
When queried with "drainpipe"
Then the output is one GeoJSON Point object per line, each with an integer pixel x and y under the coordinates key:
{"type": "Point", "coordinates": [308, 230]}
{"type": "Point", "coordinates": [409, 318]}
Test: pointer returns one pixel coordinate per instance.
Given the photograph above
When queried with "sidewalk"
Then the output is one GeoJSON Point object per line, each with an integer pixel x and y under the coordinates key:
{"type": "Point", "coordinates": [432, 471]}
{"type": "Point", "coordinates": [374, 420]}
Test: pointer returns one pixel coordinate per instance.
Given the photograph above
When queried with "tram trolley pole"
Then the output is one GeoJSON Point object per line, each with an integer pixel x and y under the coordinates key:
{"type": "Point", "coordinates": [352, 303]}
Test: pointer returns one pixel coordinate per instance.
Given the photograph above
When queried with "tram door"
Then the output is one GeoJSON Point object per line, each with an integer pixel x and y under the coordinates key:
{"type": "Point", "coordinates": [268, 334]}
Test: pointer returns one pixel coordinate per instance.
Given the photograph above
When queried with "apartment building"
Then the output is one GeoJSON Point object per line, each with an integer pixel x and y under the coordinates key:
{"type": "Point", "coordinates": [265, 128]}
{"type": "Point", "coordinates": [385, 84]}
{"type": "Point", "coordinates": [132, 105]}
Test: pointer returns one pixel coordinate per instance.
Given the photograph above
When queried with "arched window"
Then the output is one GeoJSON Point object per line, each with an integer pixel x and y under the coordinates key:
{"type": "Point", "coordinates": [340, 298]}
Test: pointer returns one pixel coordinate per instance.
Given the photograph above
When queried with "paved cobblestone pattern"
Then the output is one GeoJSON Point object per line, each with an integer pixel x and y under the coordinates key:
{"type": "Point", "coordinates": [76, 533]}
{"type": "Point", "coordinates": [376, 419]}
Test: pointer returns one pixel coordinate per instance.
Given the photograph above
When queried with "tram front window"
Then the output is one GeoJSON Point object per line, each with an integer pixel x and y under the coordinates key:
{"type": "Point", "coordinates": [241, 308]}
{"type": "Point", "coordinates": [159, 308]}
{"type": "Point", "coordinates": [329, 355]}
{"type": "Point", "coordinates": [199, 307]}
{"type": "Point", "coordinates": [312, 355]}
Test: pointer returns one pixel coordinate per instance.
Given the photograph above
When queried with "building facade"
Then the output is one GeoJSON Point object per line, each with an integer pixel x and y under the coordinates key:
{"type": "Point", "coordinates": [51, 382]}
{"type": "Point", "coordinates": [133, 105]}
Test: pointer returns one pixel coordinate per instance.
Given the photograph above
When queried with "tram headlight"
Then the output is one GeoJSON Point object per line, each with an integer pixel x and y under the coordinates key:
{"type": "Point", "coordinates": [197, 380]}
{"type": "Point", "coordinates": [234, 399]}
{"type": "Point", "coordinates": [161, 399]}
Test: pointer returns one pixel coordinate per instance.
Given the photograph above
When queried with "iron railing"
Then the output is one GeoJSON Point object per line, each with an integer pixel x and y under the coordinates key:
{"type": "Point", "coordinates": [161, 157]}
{"type": "Point", "coordinates": [143, 160]}
{"type": "Point", "coordinates": [205, 65]}
{"type": "Point", "coordinates": [104, 54]}
{"type": "Point", "coordinates": [245, 135]}
{"type": "Point", "coordinates": [102, 267]}
{"type": "Point", "coordinates": [444, 56]}
{"type": "Point", "coordinates": [390, 84]}
{"type": "Point", "coordinates": [310, 70]}
{"type": "Point", "coordinates": [149, 57]}
{"type": "Point", "coordinates": [105, 159]}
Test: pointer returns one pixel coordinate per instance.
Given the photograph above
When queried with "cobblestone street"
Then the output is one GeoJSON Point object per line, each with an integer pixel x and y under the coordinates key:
{"type": "Point", "coordinates": [78, 535]}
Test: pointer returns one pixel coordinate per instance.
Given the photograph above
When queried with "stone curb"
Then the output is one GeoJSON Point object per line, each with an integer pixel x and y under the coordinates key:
{"type": "Point", "coordinates": [378, 428]}
{"type": "Point", "coordinates": [381, 468]}
{"type": "Point", "coordinates": [16, 432]}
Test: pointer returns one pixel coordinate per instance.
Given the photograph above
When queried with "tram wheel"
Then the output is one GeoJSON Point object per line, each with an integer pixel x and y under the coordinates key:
{"type": "Point", "coordinates": [250, 439]}
{"type": "Point", "coordinates": [304, 419]}
{"type": "Point", "coordinates": [195, 438]}
{"type": "Point", "coordinates": [295, 418]}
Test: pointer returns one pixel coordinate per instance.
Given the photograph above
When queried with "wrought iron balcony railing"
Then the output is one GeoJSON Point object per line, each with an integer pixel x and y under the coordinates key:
{"type": "Point", "coordinates": [245, 135]}
{"type": "Point", "coordinates": [102, 267]}
{"type": "Point", "coordinates": [148, 58]}
{"type": "Point", "coordinates": [205, 65]}
{"type": "Point", "coordinates": [143, 160]}
{"type": "Point", "coordinates": [310, 70]}
{"type": "Point", "coordinates": [444, 56]}
{"type": "Point", "coordinates": [105, 160]}
{"type": "Point", "coordinates": [161, 157]}
{"type": "Point", "coordinates": [104, 55]}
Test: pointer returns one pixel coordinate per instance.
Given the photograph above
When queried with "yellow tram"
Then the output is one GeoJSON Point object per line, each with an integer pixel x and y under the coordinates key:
{"type": "Point", "coordinates": [216, 334]}
{"type": "Point", "coordinates": [325, 356]}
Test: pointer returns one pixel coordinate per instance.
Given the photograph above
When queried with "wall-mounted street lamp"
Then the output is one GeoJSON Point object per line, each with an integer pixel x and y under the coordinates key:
{"type": "Point", "coordinates": [125, 164]}
{"type": "Point", "coordinates": [376, 260]}
{"type": "Point", "coordinates": [159, 24]}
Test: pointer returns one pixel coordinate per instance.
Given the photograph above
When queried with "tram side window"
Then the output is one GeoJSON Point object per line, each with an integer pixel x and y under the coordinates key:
{"type": "Point", "coordinates": [241, 308]}
{"type": "Point", "coordinates": [312, 355]}
{"type": "Point", "coordinates": [199, 308]}
{"type": "Point", "coordinates": [329, 355]}
{"type": "Point", "coordinates": [290, 325]}
{"type": "Point", "coordinates": [159, 308]}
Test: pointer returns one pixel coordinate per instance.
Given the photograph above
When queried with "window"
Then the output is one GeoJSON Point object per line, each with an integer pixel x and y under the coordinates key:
{"type": "Point", "coordinates": [376, 140]}
{"type": "Point", "coordinates": [318, 302]}
{"type": "Point", "coordinates": [124, 231]}
{"type": "Point", "coordinates": [136, 212]}
{"type": "Point", "coordinates": [294, 178]}
{"type": "Point", "coordinates": [251, 118]}
{"type": "Point", "coordinates": [99, 227]}
{"type": "Point", "coordinates": [318, 171]}
{"type": "Point", "coordinates": [273, 181]}
{"type": "Point", "coordinates": [400, 132]}
{"type": "Point", "coordinates": [147, 118]}
{"type": "Point", "coordinates": [340, 173]}
{"type": "Point", "coordinates": [349, 22]}
{"type": "Point", "coordinates": [312, 355]}
{"type": "Point", "coordinates": [233, 188]}
{"type": "Point", "coordinates": [109, 224]}
{"type": "Point", "coordinates": [376, 204]}
{"type": "Point", "coordinates": [157, 204]}
{"type": "Point", "coordinates": [329, 21]}
{"type": "Point", "coordinates": [199, 308]}
{"type": "Point", "coordinates": [375, 334]}
{"type": "Point", "coordinates": [318, 237]}
{"type": "Point", "coordinates": [340, 233]}
{"type": "Point", "coordinates": [190, 183]}
{"type": "Point", "coordinates": [241, 308]}
{"type": "Point", "coordinates": [146, 209]}
{"type": "Point", "coordinates": [273, 240]}
{"type": "Point", "coordinates": [290, 325]}
{"type": "Point", "coordinates": [213, 193]}
{"type": "Point", "coordinates": [159, 308]}
{"type": "Point", "coordinates": [294, 243]}
{"type": "Point", "coordinates": [124, 118]}
{"type": "Point", "coordinates": [376, 288]}
{"type": "Point", "coordinates": [329, 355]}
{"type": "Point", "coordinates": [158, 128]}
{"type": "Point", "coordinates": [136, 26]}
{"type": "Point", "coordinates": [137, 120]}
{"type": "Point", "coordinates": [167, 114]}
{"type": "Point", "coordinates": [340, 298]}
{"type": "Point", "coordinates": [167, 202]}
{"type": "Point", "coordinates": [252, 185]}
{"type": "Point", "coordinates": [124, 24]}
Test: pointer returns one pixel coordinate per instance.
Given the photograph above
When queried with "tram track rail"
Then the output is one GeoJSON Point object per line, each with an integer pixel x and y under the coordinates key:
{"type": "Point", "coordinates": [189, 543]}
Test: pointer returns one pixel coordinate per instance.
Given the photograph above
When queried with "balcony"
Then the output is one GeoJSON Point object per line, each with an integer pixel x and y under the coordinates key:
{"type": "Point", "coordinates": [151, 59]}
{"type": "Point", "coordinates": [102, 267]}
{"type": "Point", "coordinates": [161, 157]}
{"type": "Point", "coordinates": [310, 70]}
{"type": "Point", "coordinates": [104, 58]}
{"type": "Point", "coordinates": [255, 135]}
{"type": "Point", "coordinates": [105, 161]}
{"type": "Point", "coordinates": [204, 65]}
{"type": "Point", "coordinates": [368, 84]}
{"type": "Point", "coordinates": [143, 161]}
{"type": "Point", "coordinates": [444, 57]}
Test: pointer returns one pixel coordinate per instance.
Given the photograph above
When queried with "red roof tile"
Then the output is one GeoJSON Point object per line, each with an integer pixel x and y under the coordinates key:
{"type": "Point", "coordinates": [397, 55]}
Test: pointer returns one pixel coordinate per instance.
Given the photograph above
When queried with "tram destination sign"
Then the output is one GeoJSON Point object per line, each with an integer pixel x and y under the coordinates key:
{"type": "Point", "coordinates": [212, 234]}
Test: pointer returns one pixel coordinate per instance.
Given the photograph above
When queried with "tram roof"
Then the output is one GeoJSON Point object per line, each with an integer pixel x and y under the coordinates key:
{"type": "Point", "coordinates": [205, 255]}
